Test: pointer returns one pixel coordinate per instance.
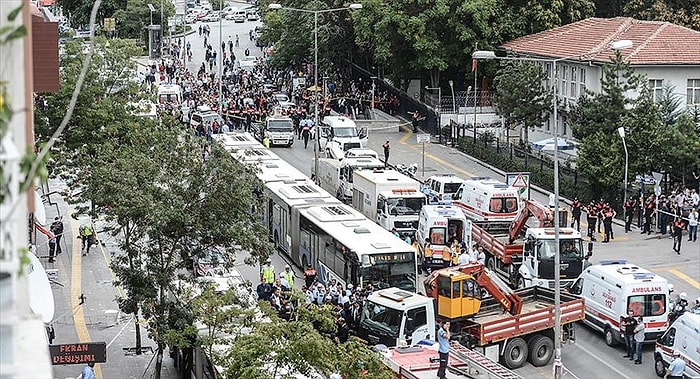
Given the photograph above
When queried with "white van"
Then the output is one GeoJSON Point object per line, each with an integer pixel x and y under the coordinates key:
{"type": "Point", "coordinates": [488, 202]}
{"type": "Point", "coordinates": [441, 188]}
{"type": "Point", "coordinates": [612, 288]}
{"type": "Point", "coordinates": [682, 336]}
{"type": "Point", "coordinates": [438, 223]}
{"type": "Point", "coordinates": [340, 134]}
{"type": "Point", "coordinates": [169, 93]}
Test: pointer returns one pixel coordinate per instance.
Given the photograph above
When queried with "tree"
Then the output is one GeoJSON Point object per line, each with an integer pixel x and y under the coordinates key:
{"type": "Point", "coordinates": [135, 15]}
{"type": "Point", "coordinates": [520, 96]}
{"type": "Point", "coordinates": [188, 208]}
{"type": "Point", "coordinates": [670, 105]}
{"type": "Point", "coordinates": [300, 346]}
{"type": "Point", "coordinates": [681, 12]}
{"type": "Point", "coordinates": [595, 119]}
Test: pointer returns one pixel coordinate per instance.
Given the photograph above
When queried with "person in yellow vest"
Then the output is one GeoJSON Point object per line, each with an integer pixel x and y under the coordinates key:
{"type": "Point", "coordinates": [446, 256]}
{"type": "Point", "coordinates": [427, 254]}
{"type": "Point", "coordinates": [288, 275]}
{"type": "Point", "coordinates": [87, 236]}
{"type": "Point", "coordinates": [267, 272]}
{"type": "Point", "coordinates": [455, 252]}
{"type": "Point", "coordinates": [419, 257]}
{"type": "Point", "coordinates": [266, 142]}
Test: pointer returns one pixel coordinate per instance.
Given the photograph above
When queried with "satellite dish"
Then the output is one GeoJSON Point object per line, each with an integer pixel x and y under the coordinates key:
{"type": "Point", "coordinates": [41, 299]}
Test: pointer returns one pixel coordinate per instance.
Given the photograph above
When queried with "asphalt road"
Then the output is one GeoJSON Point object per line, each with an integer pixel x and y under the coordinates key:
{"type": "Point", "coordinates": [589, 357]}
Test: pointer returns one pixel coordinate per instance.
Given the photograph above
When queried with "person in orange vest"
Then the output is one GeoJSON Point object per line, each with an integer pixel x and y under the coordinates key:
{"type": "Point", "coordinates": [309, 275]}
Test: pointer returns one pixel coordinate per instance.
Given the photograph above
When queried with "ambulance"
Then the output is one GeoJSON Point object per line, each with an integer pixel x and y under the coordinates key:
{"type": "Point", "coordinates": [438, 223]}
{"type": "Point", "coordinates": [487, 202]}
{"type": "Point", "coordinates": [440, 188]}
{"type": "Point", "coordinates": [682, 336]}
{"type": "Point", "coordinates": [612, 288]}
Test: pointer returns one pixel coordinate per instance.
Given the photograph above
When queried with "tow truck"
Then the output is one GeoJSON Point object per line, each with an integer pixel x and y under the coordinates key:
{"type": "Point", "coordinates": [512, 326]}
{"type": "Point", "coordinates": [529, 261]}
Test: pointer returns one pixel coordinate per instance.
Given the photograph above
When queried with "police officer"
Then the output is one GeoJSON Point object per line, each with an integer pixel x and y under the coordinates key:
{"type": "Point", "coordinates": [267, 272]}
{"type": "Point", "coordinates": [576, 213]}
{"type": "Point", "coordinates": [592, 217]}
{"type": "Point", "coordinates": [630, 207]}
{"type": "Point", "coordinates": [288, 275]}
{"type": "Point", "coordinates": [608, 215]}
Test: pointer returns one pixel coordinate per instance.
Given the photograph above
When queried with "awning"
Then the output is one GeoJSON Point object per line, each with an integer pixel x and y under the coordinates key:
{"type": "Point", "coordinates": [548, 144]}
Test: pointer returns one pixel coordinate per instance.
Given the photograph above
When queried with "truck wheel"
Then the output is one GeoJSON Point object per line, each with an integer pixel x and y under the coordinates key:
{"type": "Point", "coordinates": [659, 365]}
{"type": "Point", "coordinates": [521, 282]}
{"type": "Point", "coordinates": [541, 349]}
{"type": "Point", "coordinates": [515, 353]}
{"type": "Point", "coordinates": [610, 337]}
{"type": "Point", "coordinates": [491, 264]}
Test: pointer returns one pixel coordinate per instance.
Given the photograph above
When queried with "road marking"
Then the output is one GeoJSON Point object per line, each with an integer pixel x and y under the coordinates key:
{"type": "Point", "coordinates": [608, 365]}
{"type": "Point", "coordinates": [432, 157]}
{"type": "Point", "coordinates": [76, 290]}
{"type": "Point", "coordinates": [685, 277]}
{"type": "Point", "coordinates": [109, 266]}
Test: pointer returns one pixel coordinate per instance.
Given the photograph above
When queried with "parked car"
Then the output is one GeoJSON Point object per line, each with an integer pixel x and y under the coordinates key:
{"type": "Point", "coordinates": [253, 16]}
{"type": "Point", "coordinates": [211, 263]}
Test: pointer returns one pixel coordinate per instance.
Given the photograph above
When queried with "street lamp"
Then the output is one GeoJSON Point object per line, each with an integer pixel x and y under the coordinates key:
{"type": "Point", "coordinates": [621, 132]}
{"type": "Point", "coordinates": [452, 89]}
{"type": "Point", "coordinates": [152, 9]}
{"type": "Point", "coordinates": [617, 45]}
{"type": "Point", "coordinates": [221, 62]}
{"type": "Point", "coordinates": [351, 7]}
{"type": "Point", "coordinates": [437, 109]}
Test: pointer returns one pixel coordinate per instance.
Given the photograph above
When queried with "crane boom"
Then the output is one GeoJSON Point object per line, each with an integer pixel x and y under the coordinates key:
{"type": "Point", "coordinates": [530, 208]}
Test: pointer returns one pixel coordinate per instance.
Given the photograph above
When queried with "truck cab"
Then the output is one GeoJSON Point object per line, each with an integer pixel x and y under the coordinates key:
{"type": "Point", "coordinates": [279, 129]}
{"type": "Point", "coordinates": [438, 223]}
{"type": "Point", "coordinates": [340, 134]}
{"type": "Point", "coordinates": [440, 188]}
{"type": "Point", "coordinates": [392, 316]}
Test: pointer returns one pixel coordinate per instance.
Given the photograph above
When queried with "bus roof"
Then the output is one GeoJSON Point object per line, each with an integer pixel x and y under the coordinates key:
{"type": "Point", "coordinates": [357, 233]}
{"type": "Point", "coordinates": [236, 140]}
{"type": "Point", "coordinates": [295, 193]}
{"type": "Point", "coordinates": [278, 170]}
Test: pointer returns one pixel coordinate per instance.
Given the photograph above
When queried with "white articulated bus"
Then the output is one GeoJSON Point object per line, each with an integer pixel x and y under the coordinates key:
{"type": "Point", "coordinates": [348, 247]}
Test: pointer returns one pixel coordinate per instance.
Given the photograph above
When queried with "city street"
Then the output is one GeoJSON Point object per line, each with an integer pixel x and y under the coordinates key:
{"type": "Point", "coordinates": [99, 320]}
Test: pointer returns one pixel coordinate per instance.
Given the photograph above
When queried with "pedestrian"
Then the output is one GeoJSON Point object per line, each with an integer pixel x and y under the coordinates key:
{"type": "Point", "coordinates": [576, 214]}
{"type": "Point", "coordinates": [552, 201]}
{"type": "Point", "coordinates": [88, 371]}
{"type": "Point", "coordinates": [387, 148]}
{"type": "Point", "coordinates": [591, 217]}
{"type": "Point", "coordinates": [639, 339]}
{"type": "Point", "coordinates": [608, 215]}
{"type": "Point", "coordinates": [237, 41]}
{"type": "Point", "coordinates": [264, 290]}
{"type": "Point", "coordinates": [266, 142]}
{"type": "Point", "coordinates": [444, 349]}
{"type": "Point", "coordinates": [87, 236]}
{"type": "Point", "coordinates": [247, 52]}
{"type": "Point", "coordinates": [57, 230]}
{"type": "Point", "coordinates": [200, 30]}
{"type": "Point", "coordinates": [305, 133]}
{"type": "Point", "coordinates": [678, 226]}
{"type": "Point", "coordinates": [649, 210]}
{"type": "Point", "coordinates": [288, 275]}
{"type": "Point", "coordinates": [267, 271]}
{"type": "Point", "coordinates": [309, 275]}
{"type": "Point", "coordinates": [676, 369]}
{"type": "Point", "coordinates": [630, 207]}
{"type": "Point", "coordinates": [52, 248]}
{"type": "Point", "coordinates": [693, 218]}
{"type": "Point", "coordinates": [416, 118]}
{"type": "Point", "coordinates": [627, 327]}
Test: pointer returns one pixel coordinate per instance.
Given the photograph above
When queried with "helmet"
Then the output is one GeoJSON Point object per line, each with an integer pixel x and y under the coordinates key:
{"type": "Point", "coordinates": [683, 296]}
{"type": "Point", "coordinates": [268, 260]}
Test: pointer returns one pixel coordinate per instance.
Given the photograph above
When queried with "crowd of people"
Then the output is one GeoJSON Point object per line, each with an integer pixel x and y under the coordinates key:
{"type": "Point", "coordinates": [344, 301]}
{"type": "Point", "coordinates": [671, 215]}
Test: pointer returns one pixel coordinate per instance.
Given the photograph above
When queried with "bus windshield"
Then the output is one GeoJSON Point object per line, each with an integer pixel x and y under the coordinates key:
{"type": "Point", "coordinates": [345, 132]}
{"type": "Point", "coordinates": [391, 270]}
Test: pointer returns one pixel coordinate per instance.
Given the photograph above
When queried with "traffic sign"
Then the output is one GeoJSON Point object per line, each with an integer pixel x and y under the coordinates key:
{"type": "Point", "coordinates": [422, 138]}
{"type": "Point", "coordinates": [521, 181]}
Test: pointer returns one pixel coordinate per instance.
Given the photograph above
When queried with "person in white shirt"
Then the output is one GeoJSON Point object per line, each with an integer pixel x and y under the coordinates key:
{"type": "Point", "coordinates": [463, 258]}
{"type": "Point", "coordinates": [481, 256]}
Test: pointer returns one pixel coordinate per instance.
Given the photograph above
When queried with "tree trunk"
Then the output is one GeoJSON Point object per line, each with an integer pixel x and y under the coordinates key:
{"type": "Point", "coordinates": [138, 333]}
{"type": "Point", "coordinates": [159, 361]}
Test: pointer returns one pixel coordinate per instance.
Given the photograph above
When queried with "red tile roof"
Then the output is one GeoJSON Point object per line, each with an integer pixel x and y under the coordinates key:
{"type": "Point", "coordinates": [655, 42]}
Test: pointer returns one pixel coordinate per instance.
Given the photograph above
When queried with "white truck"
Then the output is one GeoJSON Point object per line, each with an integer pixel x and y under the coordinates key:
{"type": "Point", "coordinates": [279, 129]}
{"type": "Point", "coordinates": [340, 134]}
{"type": "Point", "coordinates": [336, 176]}
{"type": "Point", "coordinates": [390, 198]}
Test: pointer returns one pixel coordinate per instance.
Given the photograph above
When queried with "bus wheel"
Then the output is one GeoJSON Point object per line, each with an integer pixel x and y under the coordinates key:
{"type": "Point", "coordinates": [515, 353]}
{"type": "Point", "coordinates": [541, 349]}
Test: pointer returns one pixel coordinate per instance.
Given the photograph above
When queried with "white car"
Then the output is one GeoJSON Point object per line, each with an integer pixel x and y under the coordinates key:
{"type": "Point", "coordinates": [252, 16]}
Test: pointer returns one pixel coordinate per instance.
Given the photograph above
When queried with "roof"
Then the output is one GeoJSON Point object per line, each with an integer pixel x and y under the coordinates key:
{"type": "Point", "coordinates": [655, 42]}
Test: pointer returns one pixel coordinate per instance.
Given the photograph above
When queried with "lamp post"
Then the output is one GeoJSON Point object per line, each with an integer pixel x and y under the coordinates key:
{"type": "Point", "coordinates": [351, 7]}
{"type": "Point", "coordinates": [152, 9]}
{"type": "Point", "coordinates": [221, 62]}
{"type": "Point", "coordinates": [617, 45]}
{"type": "Point", "coordinates": [621, 132]}
{"type": "Point", "coordinates": [437, 109]}
{"type": "Point", "coordinates": [374, 88]}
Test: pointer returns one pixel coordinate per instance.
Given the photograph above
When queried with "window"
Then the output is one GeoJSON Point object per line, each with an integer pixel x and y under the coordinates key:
{"type": "Point", "coordinates": [574, 83]}
{"type": "Point", "coordinates": [647, 305]}
{"type": "Point", "coordinates": [437, 236]}
{"type": "Point", "coordinates": [564, 81]}
{"type": "Point", "coordinates": [693, 92]}
{"type": "Point", "coordinates": [656, 88]}
{"type": "Point", "coordinates": [415, 318]}
{"type": "Point", "coordinates": [582, 81]}
{"type": "Point", "coordinates": [503, 205]}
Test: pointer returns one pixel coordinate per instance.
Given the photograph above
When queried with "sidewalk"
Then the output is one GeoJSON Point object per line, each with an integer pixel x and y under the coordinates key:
{"type": "Point", "coordinates": [98, 319]}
